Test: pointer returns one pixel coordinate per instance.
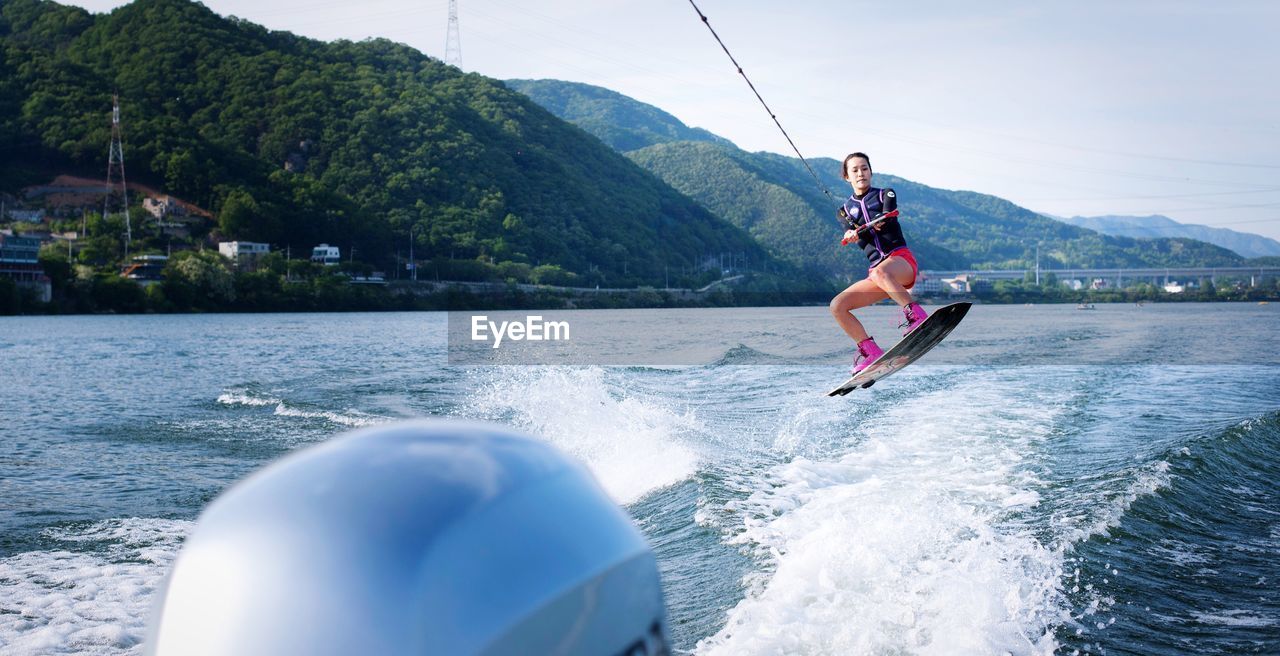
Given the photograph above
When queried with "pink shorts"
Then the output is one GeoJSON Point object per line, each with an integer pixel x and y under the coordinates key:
{"type": "Point", "coordinates": [904, 253]}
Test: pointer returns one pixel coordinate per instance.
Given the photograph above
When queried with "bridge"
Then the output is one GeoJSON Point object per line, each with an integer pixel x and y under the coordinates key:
{"type": "Point", "coordinates": [1154, 275]}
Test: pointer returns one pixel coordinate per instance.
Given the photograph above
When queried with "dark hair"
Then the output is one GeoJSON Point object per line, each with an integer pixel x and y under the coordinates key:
{"type": "Point", "coordinates": [844, 167]}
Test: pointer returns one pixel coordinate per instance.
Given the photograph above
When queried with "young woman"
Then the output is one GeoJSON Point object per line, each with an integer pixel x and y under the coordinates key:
{"type": "Point", "coordinates": [893, 268]}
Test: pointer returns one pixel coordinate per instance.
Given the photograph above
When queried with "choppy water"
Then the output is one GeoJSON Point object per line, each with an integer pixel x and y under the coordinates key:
{"type": "Point", "coordinates": [1046, 507]}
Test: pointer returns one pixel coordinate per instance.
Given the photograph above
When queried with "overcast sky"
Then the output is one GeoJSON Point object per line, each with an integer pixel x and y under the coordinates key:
{"type": "Point", "coordinates": [1069, 108]}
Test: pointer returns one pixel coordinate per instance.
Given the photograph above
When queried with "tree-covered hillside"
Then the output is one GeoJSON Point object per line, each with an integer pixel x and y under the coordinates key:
{"type": "Point", "coordinates": [779, 203]}
{"type": "Point", "coordinates": [613, 118]}
{"type": "Point", "coordinates": [294, 141]}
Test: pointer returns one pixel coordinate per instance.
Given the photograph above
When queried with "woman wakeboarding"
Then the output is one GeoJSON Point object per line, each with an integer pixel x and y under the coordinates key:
{"type": "Point", "coordinates": [870, 217]}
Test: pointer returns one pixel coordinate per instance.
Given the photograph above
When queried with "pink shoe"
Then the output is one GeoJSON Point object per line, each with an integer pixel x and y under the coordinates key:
{"type": "Point", "coordinates": [915, 315]}
{"type": "Point", "coordinates": [868, 352]}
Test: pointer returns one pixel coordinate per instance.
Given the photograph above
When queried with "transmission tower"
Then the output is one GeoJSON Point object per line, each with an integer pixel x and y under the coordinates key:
{"type": "Point", "coordinates": [115, 161]}
{"type": "Point", "coordinates": [453, 42]}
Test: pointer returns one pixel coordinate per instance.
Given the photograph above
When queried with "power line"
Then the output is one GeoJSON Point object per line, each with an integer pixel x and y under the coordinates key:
{"type": "Point", "coordinates": [762, 102]}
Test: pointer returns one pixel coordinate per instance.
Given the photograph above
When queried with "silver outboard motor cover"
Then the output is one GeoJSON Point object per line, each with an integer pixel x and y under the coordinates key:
{"type": "Point", "coordinates": [427, 537]}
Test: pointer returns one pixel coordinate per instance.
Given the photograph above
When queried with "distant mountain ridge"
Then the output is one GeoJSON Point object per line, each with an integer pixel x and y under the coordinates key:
{"type": "Point", "coordinates": [1158, 226]}
{"type": "Point", "coordinates": [775, 199]}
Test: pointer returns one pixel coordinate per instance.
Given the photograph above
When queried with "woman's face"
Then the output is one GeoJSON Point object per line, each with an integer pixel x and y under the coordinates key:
{"type": "Point", "coordinates": [858, 171]}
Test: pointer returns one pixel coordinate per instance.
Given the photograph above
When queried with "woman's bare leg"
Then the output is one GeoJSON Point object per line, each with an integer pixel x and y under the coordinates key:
{"type": "Point", "coordinates": [892, 276]}
{"type": "Point", "coordinates": [859, 294]}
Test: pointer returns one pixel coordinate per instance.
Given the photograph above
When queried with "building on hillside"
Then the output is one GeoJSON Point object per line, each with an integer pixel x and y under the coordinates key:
{"type": "Point", "coordinates": [20, 261]}
{"type": "Point", "coordinates": [926, 286]}
{"type": "Point", "coordinates": [173, 217]}
{"type": "Point", "coordinates": [1073, 284]}
{"type": "Point", "coordinates": [1173, 288]}
{"type": "Point", "coordinates": [326, 255]}
{"type": "Point", "coordinates": [161, 207]}
{"type": "Point", "coordinates": [957, 285]}
{"type": "Point", "coordinates": [20, 257]}
{"type": "Point", "coordinates": [69, 196]}
{"type": "Point", "coordinates": [1099, 283]}
{"type": "Point", "coordinates": [146, 270]}
{"type": "Point", "coordinates": [245, 254]}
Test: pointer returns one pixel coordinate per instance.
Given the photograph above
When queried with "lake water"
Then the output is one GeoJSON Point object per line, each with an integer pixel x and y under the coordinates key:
{"type": "Point", "coordinates": [1047, 481]}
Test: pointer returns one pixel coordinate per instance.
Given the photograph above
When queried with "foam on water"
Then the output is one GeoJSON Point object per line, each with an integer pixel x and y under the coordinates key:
{"type": "Point", "coordinates": [351, 418]}
{"type": "Point", "coordinates": [1235, 618]}
{"type": "Point", "coordinates": [633, 444]}
{"type": "Point", "coordinates": [1142, 480]}
{"type": "Point", "coordinates": [246, 397]}
{"type": "Point", "coordinates": [249, 398]}
{"type": "Point", "coordinates": [93, 601]}
{"type": "Point", "coordinates": [910, 542]}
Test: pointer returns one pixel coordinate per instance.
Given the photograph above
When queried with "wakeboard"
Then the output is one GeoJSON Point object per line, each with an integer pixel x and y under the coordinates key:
{"type": "Point", "coordinates": [927, 335]}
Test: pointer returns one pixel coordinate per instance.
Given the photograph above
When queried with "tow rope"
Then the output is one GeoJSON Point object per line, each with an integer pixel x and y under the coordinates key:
{"type": "Point", "coordinates": [763, 103]}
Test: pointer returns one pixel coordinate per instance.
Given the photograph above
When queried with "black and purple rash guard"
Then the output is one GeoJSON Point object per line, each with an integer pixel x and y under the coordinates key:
{"type": "Point", "coordinates": [877, 244]}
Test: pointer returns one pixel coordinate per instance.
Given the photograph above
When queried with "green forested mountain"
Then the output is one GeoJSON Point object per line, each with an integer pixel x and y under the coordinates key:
{"type": "Point", "coordinates": [777, 201]}
{"type": "Point", "coordinates": [613, 118]}
{"type": "Point", "coordinates": [294, 141]}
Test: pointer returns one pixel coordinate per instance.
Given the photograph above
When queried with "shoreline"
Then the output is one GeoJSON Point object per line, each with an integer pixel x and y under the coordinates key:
{"type": "Point", "coordinates": [450, 301]}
